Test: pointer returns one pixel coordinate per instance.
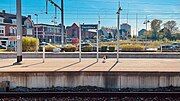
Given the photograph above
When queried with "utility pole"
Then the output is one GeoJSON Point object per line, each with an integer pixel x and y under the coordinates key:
{"type": "Point", "coordinates": [80, 32]}
{"type": "Point", "coordinates": [97, 38]}
{"type": "Point", "coordinates": [62, 23]}
{"type": "Point", "coordinates": [19, 32]}
{"type": "Point", "coordinates": [136, 26]}
{"type": "Point", "coordinates": [36, 25]}
{"type": "Point", "coordinates": [62, 17]}
{"type": "Point", "coordinates": [146, 23]}
{"type": "Point", "coordinates": [36, 28]}
{"type": "Point", "coordinates": [128, 14]}
{"type": "Point", "coordinates": [118, 25]}
{"type": "Point", "coordinates": [54, 29]}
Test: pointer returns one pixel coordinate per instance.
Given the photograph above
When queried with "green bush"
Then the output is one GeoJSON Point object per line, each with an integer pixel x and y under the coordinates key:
{"type": "Point", "coordinates": [132, 48]}
{"type": "Point", "coordinates": [30, 44]}
{"type": "Point", "coordinates": [88, 48]}
{"type": "Point", "coordinates": [70, 48]}
{"type": "Point", "coordinates": [48, 48]}
{"type": "Point", "coordinates": [104, 49]}
{"type": "Point", "coordinates": [111, 48]}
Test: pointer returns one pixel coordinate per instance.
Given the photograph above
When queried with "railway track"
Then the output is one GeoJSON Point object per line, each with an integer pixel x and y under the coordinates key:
{"type": "Point", "coordinates": [90, 94]}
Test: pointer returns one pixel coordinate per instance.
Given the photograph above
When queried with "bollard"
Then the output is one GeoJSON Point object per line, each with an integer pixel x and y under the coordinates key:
{"type": "Point", "coordinates": [43, 53]}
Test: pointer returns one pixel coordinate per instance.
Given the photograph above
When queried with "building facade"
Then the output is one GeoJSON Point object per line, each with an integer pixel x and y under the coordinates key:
{"type": "Point", "coordinates": [72, 33]}
{"type": "Point", "coordinates": [8, 28]}
{"type": "Point", "coordinates": [125, 31]}
{"type": "Point", "coordinates": [48, 33]}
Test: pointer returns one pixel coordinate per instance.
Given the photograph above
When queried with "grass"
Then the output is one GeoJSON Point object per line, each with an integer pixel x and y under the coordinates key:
{"type": "Point", "coordinates": [149, 44]}
{"type": "Point", "coordinates": [3, 50]}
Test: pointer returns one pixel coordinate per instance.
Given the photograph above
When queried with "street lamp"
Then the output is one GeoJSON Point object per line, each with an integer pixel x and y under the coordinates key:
{"type": "Point", "coordinates": [118, 25]}
{"type": "Point", "coordinates": [37, 25]}
{"type": "Point", "coordinates": [146, 23]}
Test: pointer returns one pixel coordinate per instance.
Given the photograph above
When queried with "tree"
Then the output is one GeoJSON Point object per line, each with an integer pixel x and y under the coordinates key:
{"type": "Point", "coordinates": [166, 33]}
{"type": "Point", "coordinates": [156, 25]}
{"type": "Point", "coordinates": [171, 26]}
{"type": "Point", "coordinates": [177, 36]}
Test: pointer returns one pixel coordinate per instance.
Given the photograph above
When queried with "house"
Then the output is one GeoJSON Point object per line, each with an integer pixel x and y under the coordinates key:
{"type": "Point", "coordinates": [125, 31]}
{"type": "Point", "coordinates": [8, 28]}
{"type": "Point", "coordinates": [142, 32]}
{"type": "Point", "coordinates": [108, 33]}
{"type": "Point", "coordinates": [72, 33]}
{"type": "Point", "coordinates": [49, 33]}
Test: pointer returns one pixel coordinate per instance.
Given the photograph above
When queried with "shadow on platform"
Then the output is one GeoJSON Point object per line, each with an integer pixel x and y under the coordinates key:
{"type": "Point", "coordinates": [113, 66]}
{"type": "Point", "coordinates": [67, 66]}
{"type": "Point", "coordinates": [32, 64]}
{"type": "Point", "coordinates": [7, 66]}
{"type": "Point", "coordinates": [88, 66]}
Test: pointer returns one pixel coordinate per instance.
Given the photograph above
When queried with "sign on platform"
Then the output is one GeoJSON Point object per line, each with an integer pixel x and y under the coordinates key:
{"type": "Point", "coordinates": [18, 37]}
{"type": "Point", "coordinates": [89, 26]}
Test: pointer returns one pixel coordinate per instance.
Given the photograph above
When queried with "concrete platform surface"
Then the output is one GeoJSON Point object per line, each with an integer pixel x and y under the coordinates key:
{"type": "Point", "coordinates": [72, 65]}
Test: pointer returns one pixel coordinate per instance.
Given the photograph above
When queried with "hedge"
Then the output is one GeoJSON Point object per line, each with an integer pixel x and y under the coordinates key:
{"type": "Point", "coordinates": [88, 48]}
{"type": "Point", "coordinates": [111, 48]}
{"type": "Point", "coordinates": [48, 48]}
{"type": "Point", "coordinates": [132, 48]}
{"type": "Point", "coordinates": [70, 48]}
{"type": "Point", "coordinates": [30, 44]}
{"type": "Point", "coordinates": [104, 49]}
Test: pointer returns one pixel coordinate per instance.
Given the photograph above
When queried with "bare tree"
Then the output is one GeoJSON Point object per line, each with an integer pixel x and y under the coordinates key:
{"type": "Point", "coordinates": [171, 26]}
{"type": "Point", "coordinates": [156, 25]}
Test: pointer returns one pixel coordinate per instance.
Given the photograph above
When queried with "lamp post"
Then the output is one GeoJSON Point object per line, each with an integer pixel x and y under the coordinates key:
{"type": "Point", "coordinates": [146, 23]}
{"type": "Point", "coordinates": [118, 25]}
{"type": "Point", "coordinates": [54, 28]}
{"type": "Point", "coordinates": [37, 25]}
{"type": "Point", "coordinates": [19, 32]}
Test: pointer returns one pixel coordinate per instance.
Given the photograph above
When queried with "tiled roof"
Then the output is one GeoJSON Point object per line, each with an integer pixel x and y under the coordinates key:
{"type": "Point", "coordinates": [8, 17]}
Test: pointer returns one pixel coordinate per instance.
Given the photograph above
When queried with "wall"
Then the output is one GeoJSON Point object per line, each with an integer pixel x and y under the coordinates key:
{"type": "Point", "coordinates": [100, 79]}
{"type": "Point", "coordinates": [93, 55]}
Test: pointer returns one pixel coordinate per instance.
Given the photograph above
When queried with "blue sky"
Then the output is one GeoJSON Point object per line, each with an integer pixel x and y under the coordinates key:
{"type": "Point", "coordinates": [87, 11]}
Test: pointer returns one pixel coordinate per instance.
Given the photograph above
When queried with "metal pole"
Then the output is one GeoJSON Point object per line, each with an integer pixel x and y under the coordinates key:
{"type": "Point", "coordinates": [97, 38]}
{"type": "Point", "coordinates": [62, 23]}
{"type": "Point", "coordinates": [79, 42]}
{"type": "Point", "coordinates": [136, 26]}
{"type": "Point", "coordinates": [44, 52]}
{"type": "Point", "coordinates": [36, 26]}
{"type": "Point", "coordinates": [118, 25]}
{"type": "Point", "coordinates": [19, 31]}
{"type": "Point", "coordinates": [54, 29]}
{"type": "Point", "coordinates": [44, 48]}
{"type": "Point", "coordinates": [146, 22]}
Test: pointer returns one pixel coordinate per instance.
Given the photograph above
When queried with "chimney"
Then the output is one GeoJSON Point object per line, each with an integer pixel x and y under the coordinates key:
{"type": "Point", "coordinates": [3, 11]}
{"type": "Point", "coordinates": [29, 16]}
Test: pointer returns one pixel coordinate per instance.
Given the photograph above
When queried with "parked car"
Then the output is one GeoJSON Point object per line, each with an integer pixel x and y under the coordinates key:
{"type": "Point", "coordinates": [176, 45]}
{"type": "Point", "coordinates": [43, 43]}
{"type": "Point", "coordinates": [2, 47]}
{"type": "Point", "coordinates": [167, 48]}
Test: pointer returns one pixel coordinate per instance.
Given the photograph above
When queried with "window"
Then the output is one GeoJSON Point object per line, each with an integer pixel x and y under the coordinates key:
{"type": "Point", "coordinates": [28, 25]}
{"type": "Point", "coordinates": [2, 30]}
{"type": "Point", "coordinates": [1, 20]}
{"type": "Point", "coordinates": [15, 31]}
{"type": "Point", "coordinates": [29, 32]}
{"type": "Point", "coordinates": [11, 30]}
{"type": "Point", "coordinates": [48, 29]}
{"type": "Point", "coordinates": [13, 21]}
